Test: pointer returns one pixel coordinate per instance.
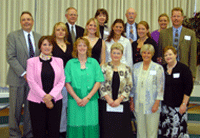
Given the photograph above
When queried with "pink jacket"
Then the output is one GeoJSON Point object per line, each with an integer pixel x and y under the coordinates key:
{"type": "Point", "coordinates": [34, 68]}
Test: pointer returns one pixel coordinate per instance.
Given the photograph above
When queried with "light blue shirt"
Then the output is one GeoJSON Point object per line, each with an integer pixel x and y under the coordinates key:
{"type": "Point", "coordinates": [128, 26]}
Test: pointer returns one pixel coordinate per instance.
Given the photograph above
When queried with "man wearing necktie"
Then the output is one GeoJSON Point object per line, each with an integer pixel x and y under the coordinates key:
{"type": "Point", "coordinates": [74, 30]}
{"type": "Point", "coordinates": [21, 45]}
{"type": "Point", "coordinates": [183, 39]}
{"type": "Point", "coordinates": [131, 27]}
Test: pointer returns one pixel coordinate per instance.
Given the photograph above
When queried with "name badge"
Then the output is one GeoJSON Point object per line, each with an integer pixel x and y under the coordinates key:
{"type": "Point", "coordinates": [106, 32]}
{"type": "Point", "coordinates": [152, 72]}
{"type": "Point", "coordinates": [118, 109]}
{"type": "Point", "coordinates": [187, 37]}
{"type": "Point", "coordinates": [176, 75]}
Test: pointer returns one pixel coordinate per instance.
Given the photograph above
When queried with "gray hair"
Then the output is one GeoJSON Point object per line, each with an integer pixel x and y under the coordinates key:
{"type": "Point", "coordinates": [147, 47]}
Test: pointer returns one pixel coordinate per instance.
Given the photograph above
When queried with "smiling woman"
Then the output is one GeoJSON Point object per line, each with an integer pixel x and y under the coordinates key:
{"type": "Point", "coordinates": [144, 38]}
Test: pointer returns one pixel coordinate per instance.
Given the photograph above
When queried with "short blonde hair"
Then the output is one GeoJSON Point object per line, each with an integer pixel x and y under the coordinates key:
{"type": "Point", "coordinates": [147, 47]}
{"type": "Point", "coordinates": [63, 27]}
{"type": "Point", "coordinates": [75, 51]}
{"type": "Point", "coordinates": [88, 22]}
{"type": "Point", "coordinates": [117, 46]}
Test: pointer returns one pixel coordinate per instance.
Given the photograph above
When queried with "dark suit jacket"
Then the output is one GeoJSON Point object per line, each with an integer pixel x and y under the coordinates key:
{"type": "Point", "coordinates": [17, 55]}
{"type": "Point", "coordinates": [187, 46]}
{"type": "Point", "coordinates": [135, 28]}
{"type": "Point", "coordinates": [79, 33]}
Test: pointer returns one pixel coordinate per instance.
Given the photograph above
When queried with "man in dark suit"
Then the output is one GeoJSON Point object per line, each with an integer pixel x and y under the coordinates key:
{"type": "Point", "coordinates": [77, 31]}
{"type": "Point", "coordinates": [131, 27]}
{"type": "Point", "coordinates": [21, 45]}
{"type": "Point", "coordinates": [183, 39]}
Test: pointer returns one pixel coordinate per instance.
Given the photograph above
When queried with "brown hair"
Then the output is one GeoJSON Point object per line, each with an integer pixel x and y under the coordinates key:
{"type": "Point", "coordinates": [112, 32]}
{"type": "Point", "coordinates": [177, 9]}
{"type": "Point", "coordinates": [75, 51]}
{"type": "Point", "coordinates": [49, 38]}
{"type": "Point", "coordinates": [63, 27]}
{"type": "Point", "coordinates": [26, 12]}
{"type": "Point", "coordinates": [97, 25]}
{"type": "Point", "coordinates": [146, 25]}
{"type": "Point", "coordinates": [103, 11]}
{"type": "Point", "coordinates": [163, 15]}
{"type": "Point", "coordinates": [168, 48]}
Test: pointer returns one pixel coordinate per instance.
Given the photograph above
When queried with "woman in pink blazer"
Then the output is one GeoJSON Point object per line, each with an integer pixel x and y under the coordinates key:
{"type": "Point", "coordinates": [45, 76]}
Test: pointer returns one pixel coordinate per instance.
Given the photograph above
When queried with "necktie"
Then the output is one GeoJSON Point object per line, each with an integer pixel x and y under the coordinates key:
{"type": "Point", "coordinates": [31, 52]}
{"type": "Point", "coordinates": [131, 32]}
{"type": "Point", "coordinates": [176, 43]}
{"type": "Point", "coordinates": [73, 34]}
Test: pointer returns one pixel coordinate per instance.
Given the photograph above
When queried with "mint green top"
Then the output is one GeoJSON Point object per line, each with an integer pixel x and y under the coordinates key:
{"type": "Point", "coordinates": [83, 80]}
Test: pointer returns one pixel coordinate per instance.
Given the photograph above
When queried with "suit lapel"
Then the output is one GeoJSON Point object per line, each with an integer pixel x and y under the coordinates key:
{"type": "Point", "coordinates": [23, 42]}
{"type": "Point", "coordinates": [77, 32]}
{"type": "Point", "coordinates": [36, 39]}
{"type": "Point", "coordinates": [182, 36]}
{"type": "Point", "coordinates": [170, 39]}
{"type": "Point", "coordinates": [69, 33]}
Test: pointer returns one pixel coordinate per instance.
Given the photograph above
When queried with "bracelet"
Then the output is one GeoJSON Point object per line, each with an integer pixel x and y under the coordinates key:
{"type": "Point", "coordinates": [122, 97]}
{"type": "Point", "coordinates": [183, 103]}
{"type": "Point", "coordinates": [88, 98]}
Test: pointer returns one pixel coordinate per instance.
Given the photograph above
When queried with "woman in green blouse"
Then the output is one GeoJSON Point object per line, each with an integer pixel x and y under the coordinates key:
{"type": "Point", "coordinates": [83, 77]}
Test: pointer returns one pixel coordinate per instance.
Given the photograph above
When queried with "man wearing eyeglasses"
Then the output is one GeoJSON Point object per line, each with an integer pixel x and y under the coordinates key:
{"type": "Point", "coordinates": [131, 27]}
{"type": "Point", "coordinates": [75, 31]}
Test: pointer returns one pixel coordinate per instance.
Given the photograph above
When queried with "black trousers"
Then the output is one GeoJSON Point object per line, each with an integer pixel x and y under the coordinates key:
{"type": "Point", "coordinates": [45, 122]}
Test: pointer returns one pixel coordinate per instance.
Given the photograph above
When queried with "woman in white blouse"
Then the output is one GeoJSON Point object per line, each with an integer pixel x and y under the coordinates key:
{"type": "Point", "coordinates": [148, 91]}
{"type": "Point", "coordinates": [117, 35]}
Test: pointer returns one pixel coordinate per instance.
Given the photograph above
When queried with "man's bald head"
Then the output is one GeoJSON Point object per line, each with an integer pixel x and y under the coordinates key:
{"type": "Point", "coordinates": [131, 15]}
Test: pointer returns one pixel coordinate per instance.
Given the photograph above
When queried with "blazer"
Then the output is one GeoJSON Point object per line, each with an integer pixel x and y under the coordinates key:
{"type": "Point", "coordinates": [34, 69]}
{"type": "Point", "coordinates": [153, 86]}
{"type": "Point", "coordinates": [135, 28]}
{"type": "Point", "coordinates": [125, 76]}
{"type": "Point", "coordinates": [17, 55]}
{"type": "Point", "coordinates": [79, 33]}
{"type": "Point", "coordinates": [187, 46]}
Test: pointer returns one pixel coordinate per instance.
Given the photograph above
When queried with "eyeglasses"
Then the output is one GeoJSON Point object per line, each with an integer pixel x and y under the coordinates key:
{"type": "Point", "coordinates": [73, 15]}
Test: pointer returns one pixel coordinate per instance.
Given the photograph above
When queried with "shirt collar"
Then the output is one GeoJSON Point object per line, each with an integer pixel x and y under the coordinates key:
{"type": "Point", "coordinates": [131, 24]}
{"type": "Point", "coordinates": [26, 33]}
{"type": "Point", "coordinates": [88, 60]}
{"type": "Point", "coordinates": [179, 29]}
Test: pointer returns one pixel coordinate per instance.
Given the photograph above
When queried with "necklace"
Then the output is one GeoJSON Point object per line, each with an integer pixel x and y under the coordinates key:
{"type": "Point", "coordinates": [91, 39]}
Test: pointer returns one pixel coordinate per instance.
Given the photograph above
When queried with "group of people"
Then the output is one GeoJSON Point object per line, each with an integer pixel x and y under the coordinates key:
{"type": "Point", "coordinates": [85, 82]}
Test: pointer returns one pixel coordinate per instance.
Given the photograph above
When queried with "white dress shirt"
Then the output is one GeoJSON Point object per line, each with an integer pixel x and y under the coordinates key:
{"type": "Point", "coordinates": [128, 31]}
{"type": "Point", "coordinates": [32, 40]}
{"type": "Point", "coordinates": [70, 28]}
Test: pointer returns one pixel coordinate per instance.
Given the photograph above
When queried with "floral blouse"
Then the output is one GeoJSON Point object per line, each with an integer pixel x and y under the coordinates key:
{"type": "Point", "coordinates": [125, 76]}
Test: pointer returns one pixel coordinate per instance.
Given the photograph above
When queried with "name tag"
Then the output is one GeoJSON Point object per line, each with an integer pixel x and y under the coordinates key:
{"type": "Point", "coordinates": [106, 32]}
{"type": "Point", "coordinates": [176, 75]}
{"type": "Point", "coordinates": [118, 109]}
{"type": "Point", "coordinates": [187, 37]}
{"type": "Point", "coordinates": [152, 72]}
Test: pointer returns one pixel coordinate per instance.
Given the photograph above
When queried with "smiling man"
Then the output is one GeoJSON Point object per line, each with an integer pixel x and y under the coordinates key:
{"type": "Point", "coordinates": [183, 39]}
{"type": "Point", "coordinates": [131, 27]}
{"type": "Point", "coordinates": [21, 45]}
{"type": "Point", "coordinates": [75, 31]}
